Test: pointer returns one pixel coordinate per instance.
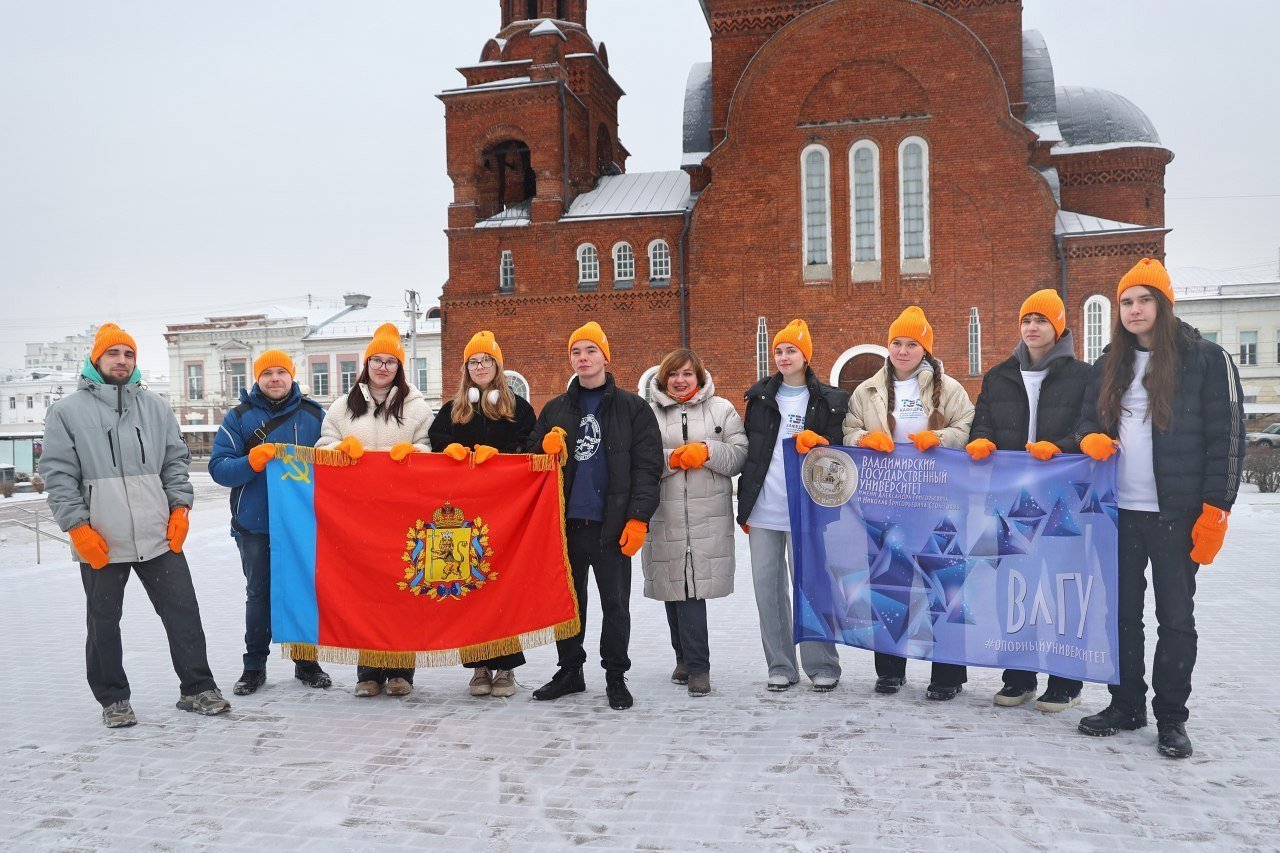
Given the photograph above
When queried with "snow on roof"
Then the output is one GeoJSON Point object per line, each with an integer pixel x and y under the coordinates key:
{"type": "Point", "coordinates": [1071, 224]}
{"type": "Point", "coordinates": [633, 194]}
{"type": "Point", "coordinates": [1038, 87]}
{"type": "Point", "coordinates": [505, 83]}
{"type": "Point", "coordinates": [515, 216]}
{"type": "Point", "coordinates": [546, 28]}
{"type": "Point", "coordinates": [697, 114]}
{"type": "Point", "coordinates": [1205, 283]}
{"type": "Point", "coordinates": [1055, 183]}
{"type": "Point", "coordinates": [362, 328]}
{"type": "Point", "coordinates": [1100, 119]}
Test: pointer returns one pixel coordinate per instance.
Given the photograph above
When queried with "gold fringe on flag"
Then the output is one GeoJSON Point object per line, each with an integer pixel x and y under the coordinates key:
{"type": "Point", "coordinates": [543, 462]}
{"type": "Point", "coordinates": [316, 455]}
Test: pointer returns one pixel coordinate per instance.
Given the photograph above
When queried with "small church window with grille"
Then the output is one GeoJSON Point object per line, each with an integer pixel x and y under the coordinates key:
{"type": "Point", "coordinates": [865, 162]}
{"type": "Point", "coordinates": [975, 343]}
{"type": "Point", "coordinates": [763, 363]}
{"type": "Point", "coordinates": [659, 262]}
{"type": "Point", "coordinates": [817, 212]}
{"type": "Point", "coordinates": [624, 265]}
{"type": "Point", "coordinates": [913, 169]}
{"type": "Point", "coordinates": [507, 273]}
{"type": "Point", "coordinates": [1097, 326]}
{"type": "Point", "coordinates": [588, 266]}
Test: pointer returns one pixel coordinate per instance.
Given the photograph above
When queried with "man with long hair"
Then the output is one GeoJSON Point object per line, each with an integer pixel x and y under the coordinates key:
{"type": "Point", "coordinates": [1173, 401]}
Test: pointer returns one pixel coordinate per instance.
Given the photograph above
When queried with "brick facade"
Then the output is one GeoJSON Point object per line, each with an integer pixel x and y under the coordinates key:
{"type": "Point", "coordinates": [785, 77]}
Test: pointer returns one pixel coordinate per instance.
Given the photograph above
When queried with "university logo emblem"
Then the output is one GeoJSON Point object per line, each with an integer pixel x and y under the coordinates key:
{"type": "Point", "coordinates": [447, 558]}
{"type": "Point", "coordinates": [829, 476]}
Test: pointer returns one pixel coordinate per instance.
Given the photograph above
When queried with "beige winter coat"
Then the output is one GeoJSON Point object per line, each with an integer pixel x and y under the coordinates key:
{"type": "Point", "coordinates": [378, 433]}
{"type": "Point", "coordinates": [869, 412]}
{"type": "Point", "coordinates": [689, 550]}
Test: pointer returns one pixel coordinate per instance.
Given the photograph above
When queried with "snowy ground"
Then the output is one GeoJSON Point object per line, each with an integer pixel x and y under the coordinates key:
{"type": "Point", "coordinates": [293, 768]}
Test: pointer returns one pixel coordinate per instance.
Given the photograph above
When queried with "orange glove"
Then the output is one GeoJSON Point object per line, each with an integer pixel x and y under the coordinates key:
{"type": "Point", "coordinates": [808, 440]}
{"type": "Point", "coordinates": [456, 452]}
{"type": "Point", "coordinates": [484, 453]}
{"type": "Point", "coordinates": [925, 439]}
{"type": "Point", "coordinates": [693, 455]}
{"type": "Point", "coordinates": [350, 446]}
{"type": "Point", "coordinates": [1207, 534]}
{"type": "Point", "coordinates": [746, 528]}
{"type": "Point", "coordinates": [980, 448]}
{"type": "Point", "coordinates": [677, 458]}
{"type": "Point", "coordinates": [91, 547]}
{"type": "Point", "coordinates": [179, 524]}
{"type": "Point", "coordinates": [260, 456]}
{"type": "Point", "coordinates": [633, 537]}
{"type": "Point", "coordinates": [1044, 450]}
{"type": "Point", "coordinates": [1099, 445]}
{"type": "Point", "coordinates": [401, 451]}
{"type": "Point", "coordinates": [553, 442]}
{"type": "Point", "coordinates": [881, 441]}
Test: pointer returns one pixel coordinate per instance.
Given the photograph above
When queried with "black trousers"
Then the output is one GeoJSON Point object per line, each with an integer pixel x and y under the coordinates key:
{"type": "Point", "coordinates": [167, 580]}
{"type": "Point", "coordinates": [613, 582]}
{"type": "Point", "coordinates": [382, 674]}
{"type": "Point", "coordinates": [944, 674]}
{"type": "Point", "coordinates": [503, 662]}
{"type": "Point", "coordinates": [1167, 547]}
{"type": "Point", "coordinates": [688, 623]}
{"type": "Point", "coordinates": [1026, 679]}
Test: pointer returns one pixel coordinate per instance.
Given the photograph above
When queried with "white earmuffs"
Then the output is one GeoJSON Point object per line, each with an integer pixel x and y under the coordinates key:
{"type": "Point", "coordinates": [473, 394]}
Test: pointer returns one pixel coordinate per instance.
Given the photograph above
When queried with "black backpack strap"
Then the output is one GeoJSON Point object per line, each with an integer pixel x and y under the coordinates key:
{"type": "Point", "coordinates": [260, 434]}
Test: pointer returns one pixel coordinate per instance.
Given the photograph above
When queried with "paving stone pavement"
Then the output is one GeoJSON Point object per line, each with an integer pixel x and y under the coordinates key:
{"type": "Point", "coordinates": [295, 768]}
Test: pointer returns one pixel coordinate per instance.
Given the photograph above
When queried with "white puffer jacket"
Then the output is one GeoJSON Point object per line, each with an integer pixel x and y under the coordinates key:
{"type": "Point", "coordinates": [378, 433]}
{"type": "Point", "coordinates": [689, 550]}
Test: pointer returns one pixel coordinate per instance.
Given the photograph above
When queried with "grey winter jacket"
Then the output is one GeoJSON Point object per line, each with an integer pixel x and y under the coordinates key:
{"type": "Point", "coordinates": [114, 459]}
{"type": "Point", "coordinates": [689, 550]}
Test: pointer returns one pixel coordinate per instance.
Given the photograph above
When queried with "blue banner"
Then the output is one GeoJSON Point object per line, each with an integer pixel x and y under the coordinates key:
{"type": "Point", "coordinates": [1009, 562]}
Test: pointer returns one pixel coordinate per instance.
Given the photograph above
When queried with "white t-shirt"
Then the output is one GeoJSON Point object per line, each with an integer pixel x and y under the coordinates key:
{"type": "Point", "coordinates": [908, 409]}
{"type": "Point", "coordinates": [1135, 468]}
{"type": "Point", "coordinates": [770, 511]}
{"type": "Point", "coordinates": [1032, 380]}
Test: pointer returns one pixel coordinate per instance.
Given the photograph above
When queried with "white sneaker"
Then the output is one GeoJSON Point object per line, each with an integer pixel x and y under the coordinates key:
{"type": "Point", "coordinates": [825, 683]}
{"type": "Point", "coordinates": [779, 683]}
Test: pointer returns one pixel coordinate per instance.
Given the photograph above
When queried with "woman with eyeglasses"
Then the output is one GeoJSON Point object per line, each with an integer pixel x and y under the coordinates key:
{"type": "Point", "coordinates": [382, 412]}
{"type": "Point", "coordinates": [483, 419]}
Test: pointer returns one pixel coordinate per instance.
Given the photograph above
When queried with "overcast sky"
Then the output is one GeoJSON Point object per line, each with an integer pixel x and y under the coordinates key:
{"type": "Point", "coordinates": [161, 160]}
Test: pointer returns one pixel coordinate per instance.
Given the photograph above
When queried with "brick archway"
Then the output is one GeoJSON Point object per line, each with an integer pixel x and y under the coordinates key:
{"type": "Point", "coordinates": [857, 364]}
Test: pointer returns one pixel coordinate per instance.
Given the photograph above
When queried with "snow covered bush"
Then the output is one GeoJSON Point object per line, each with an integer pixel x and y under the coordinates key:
{"type": "Point", "coordinates": [1262, 468]}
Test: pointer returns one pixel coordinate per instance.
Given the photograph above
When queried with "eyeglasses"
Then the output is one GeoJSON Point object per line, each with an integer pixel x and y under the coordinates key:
{"type": "Point", "coordinates": [386, 365]}
{"type": "Point", "coordinates": [481, 362]}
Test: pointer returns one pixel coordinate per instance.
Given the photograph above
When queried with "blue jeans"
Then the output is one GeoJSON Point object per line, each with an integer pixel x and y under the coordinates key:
{"type": "Point", "coordinates": [255, 559]}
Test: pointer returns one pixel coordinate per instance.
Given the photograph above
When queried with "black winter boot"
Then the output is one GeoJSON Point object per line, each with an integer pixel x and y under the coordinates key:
{"type": "Point", "coordinates": [250, 681]}
{"type": "Point", "coordinates": [568, 679]}
{"type": "Point", "coordinates": [1174, 742]}
{"type": "Point", "coordinates": [310, 674]}
{"type": "Point", "coordinates": [1112, 720]}
{"type": "Point", "coordinates": [615, 687]}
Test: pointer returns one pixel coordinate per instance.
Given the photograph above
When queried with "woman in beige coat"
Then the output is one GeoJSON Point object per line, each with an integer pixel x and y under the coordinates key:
{"type": "Point", "coordinates": [688, 556]}
{"type": "Point", "coordinates": [911, 400]}
{"type": "Point", "coordinates": [382, 412]}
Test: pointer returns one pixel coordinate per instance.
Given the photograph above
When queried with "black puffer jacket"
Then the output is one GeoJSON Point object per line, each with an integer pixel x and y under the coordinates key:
{"type": "Point", "coordinates": [632, 442]}
{"type": "Point", "coordinates": [824, 415]}
{"type": "Point", "coordinates": [1198, 460]}
{"type": "Point", "coordinates": [506, 436]}
{"type": "Point", "coordinates": [1002, 414]}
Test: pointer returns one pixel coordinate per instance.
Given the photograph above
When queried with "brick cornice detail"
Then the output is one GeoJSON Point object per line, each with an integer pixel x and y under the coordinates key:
{"type": "Point", "coordinates": [1117, 250]}
{"type": "Point", "coordinates": [653, 299]}
{"type": "Point", "coordinates": [1130, 175]}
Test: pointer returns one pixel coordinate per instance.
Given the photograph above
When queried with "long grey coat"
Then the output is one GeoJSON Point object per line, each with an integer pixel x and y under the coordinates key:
{"type": "Point", "coordinates": [689, 550]}
{"type": "Point", "coordinates": [114, 459]}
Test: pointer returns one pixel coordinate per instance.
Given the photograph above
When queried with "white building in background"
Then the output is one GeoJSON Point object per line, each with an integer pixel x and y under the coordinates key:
{"type": "Point", "coordinates": [1240, 313]}
{"type": "Point", "coordinates": [211, 362]}
{"type": "Point", "coordinates": [61, 356]}
{"type": "Point", "coordinates": [27, 399]}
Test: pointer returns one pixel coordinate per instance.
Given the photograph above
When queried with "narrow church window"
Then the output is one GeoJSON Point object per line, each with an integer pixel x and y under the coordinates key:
{"type": "Point", "coordinates": [1097, 326]}
{"type": "Point", "coordinates": [913, 170]}
{"type": "Point", "coordinates": [762, 349]}
{"type": "Point", "coordinates": [507, 273]}
{"type": "Point", "coordinates": [865, 158]}
{"type": "Point", "coordinates": [531, 9]}
{"type": "Point", "coordinates": [624, 263]}
{"type": "Point", "coordinates": [588, 266]}
{"type": "Point", "coordinates": [817, 208]}
{"type": "Point", "coordinates": [975, 343]}
{"type": "Point", "coordinates": [659, 262]}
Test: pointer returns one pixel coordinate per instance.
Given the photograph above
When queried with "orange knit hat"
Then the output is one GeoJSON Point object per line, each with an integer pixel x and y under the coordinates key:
{"type": "Point", "coordinates": [593, 333]}
{"type": "Point", "coordinates": [483, 343]}
{"type": "Point", "coordinates": [912, 324]}
{"type": "Point", "coordinates": [797, 334]}
{"type": "Point", "coordinates": [386, 339]}
{"type": "Point", "coordinates": [1148, 272]}
{"type": "Point", "coordinates": [273, 358]}
{"type": "Point", "coordinates": [108, 336]}
{"type": "Point", "coordinates": [1048, 303]}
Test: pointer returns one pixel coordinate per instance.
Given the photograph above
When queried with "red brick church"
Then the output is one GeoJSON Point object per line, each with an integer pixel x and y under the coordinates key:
{"type": "Point", "coordinates": [842, 159]}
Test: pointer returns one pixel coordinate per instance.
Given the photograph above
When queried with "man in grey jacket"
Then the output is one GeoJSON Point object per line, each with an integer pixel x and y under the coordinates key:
{"type": "Point", "coordinates": [115, 468]}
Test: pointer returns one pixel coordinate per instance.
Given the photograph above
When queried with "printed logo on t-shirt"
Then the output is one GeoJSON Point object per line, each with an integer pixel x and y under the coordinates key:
{"type": "Point", "coordinates": [909, 408]}
{"type": "Point", "coordinates": [588, 438]}
{"type": "Point", "coordinates": [792, 423]}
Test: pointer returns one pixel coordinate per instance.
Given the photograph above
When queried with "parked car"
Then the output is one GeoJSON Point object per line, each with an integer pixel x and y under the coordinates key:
{"type": "Point", "coordinates": [1269, 437]}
